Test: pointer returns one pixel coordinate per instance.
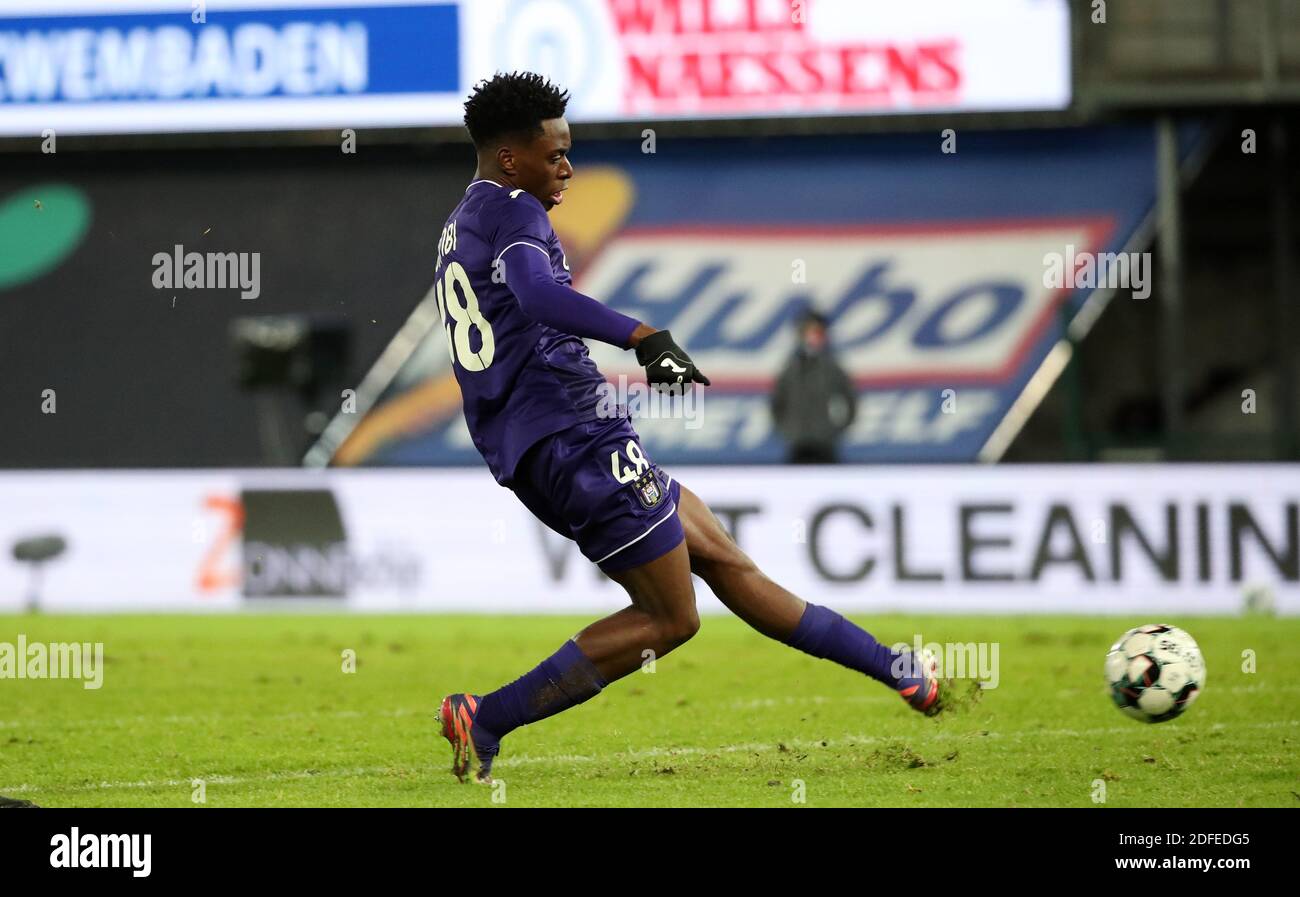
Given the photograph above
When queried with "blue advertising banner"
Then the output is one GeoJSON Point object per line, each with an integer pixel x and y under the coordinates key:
{"type": "Point", "coordinates": [215, 67]}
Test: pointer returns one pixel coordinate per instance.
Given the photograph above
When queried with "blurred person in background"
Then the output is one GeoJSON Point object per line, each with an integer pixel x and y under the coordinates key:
{"type": "Point", "coordinates": [814, 401]}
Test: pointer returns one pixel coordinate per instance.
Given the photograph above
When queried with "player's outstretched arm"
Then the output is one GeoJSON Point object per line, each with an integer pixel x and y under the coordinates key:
{"type": "Point", "coordinates": [545, 300]}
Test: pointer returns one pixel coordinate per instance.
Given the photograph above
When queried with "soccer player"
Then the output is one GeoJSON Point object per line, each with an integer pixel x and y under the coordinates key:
{"type": "Point", "coordinates": [531, 393]}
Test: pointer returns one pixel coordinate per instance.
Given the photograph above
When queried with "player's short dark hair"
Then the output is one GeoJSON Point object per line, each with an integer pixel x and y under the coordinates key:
{"type": "Point", "coordinates": [512, 104]}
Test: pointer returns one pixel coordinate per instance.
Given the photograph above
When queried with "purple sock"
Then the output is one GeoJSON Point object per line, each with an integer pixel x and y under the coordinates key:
{"type": "Point", "coordinates": [824, 633]}
{"type": "Point", "coordinates": [566, 678]}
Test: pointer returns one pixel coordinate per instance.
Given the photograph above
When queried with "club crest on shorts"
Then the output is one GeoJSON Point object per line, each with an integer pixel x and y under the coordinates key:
{"type": "Point", "coordinates": [648, 490]}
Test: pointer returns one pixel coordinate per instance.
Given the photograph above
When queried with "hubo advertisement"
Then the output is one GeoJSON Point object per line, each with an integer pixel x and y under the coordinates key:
{"type": "Point", "coordinates": [941, 277]}
{"type": "Point", "coordinates": [107, 66]}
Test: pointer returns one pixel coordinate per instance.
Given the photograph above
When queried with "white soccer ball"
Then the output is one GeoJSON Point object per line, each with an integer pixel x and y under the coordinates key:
{"type": "Point", "coordinates": [1155, 672]}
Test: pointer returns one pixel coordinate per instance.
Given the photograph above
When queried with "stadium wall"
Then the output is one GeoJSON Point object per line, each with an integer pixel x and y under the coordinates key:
{"type": "Point", "coordinates": [143, 375]}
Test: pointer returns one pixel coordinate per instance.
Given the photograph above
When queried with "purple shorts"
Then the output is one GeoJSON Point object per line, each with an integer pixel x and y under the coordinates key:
{"type": "Point", "coordinates": [592, 483]}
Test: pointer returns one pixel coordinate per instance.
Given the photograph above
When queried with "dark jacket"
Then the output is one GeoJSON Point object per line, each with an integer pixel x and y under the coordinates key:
{"type": "Point", "coordinates": [813, 404]}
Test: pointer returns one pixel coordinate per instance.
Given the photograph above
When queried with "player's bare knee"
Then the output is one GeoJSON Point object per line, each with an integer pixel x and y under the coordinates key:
{"type": "Point", "coordinates": [681, 627]}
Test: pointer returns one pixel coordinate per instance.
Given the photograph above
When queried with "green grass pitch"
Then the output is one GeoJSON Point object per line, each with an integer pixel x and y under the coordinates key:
{"type": "Point", "coordinates": [258, 708]}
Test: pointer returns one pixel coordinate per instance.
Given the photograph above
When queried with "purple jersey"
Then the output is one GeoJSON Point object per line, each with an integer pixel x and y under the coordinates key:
{"type": "Point", "coordinates": [519, 380]}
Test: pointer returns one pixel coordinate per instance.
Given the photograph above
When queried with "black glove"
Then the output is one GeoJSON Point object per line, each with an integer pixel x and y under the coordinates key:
{"type": "Point", "coordinates": [665, 363]}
